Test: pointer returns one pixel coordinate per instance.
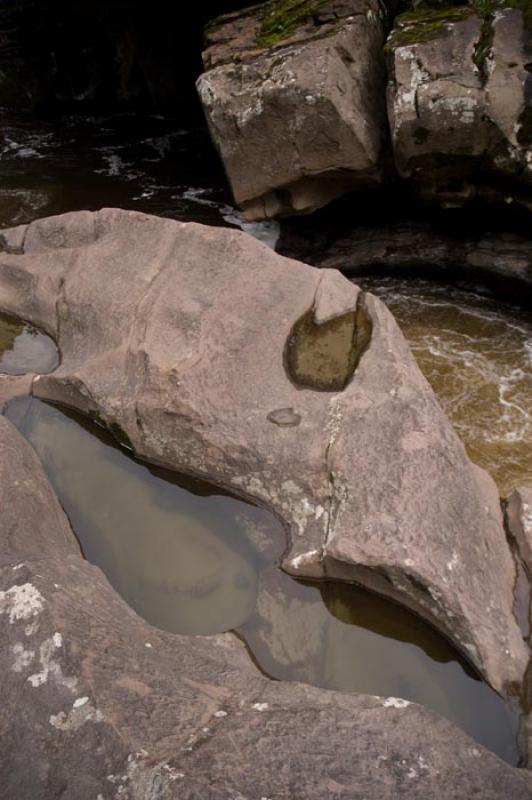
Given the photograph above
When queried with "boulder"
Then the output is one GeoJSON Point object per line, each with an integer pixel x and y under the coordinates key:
{"type": "Point", "coordinates": [97, 703]}
{"type": "Point", "coordinates": [206, 352]}
{"type": "Point", "coordinates": [300, 92]}
{"type": "Point", "coordinates": [459, 99]}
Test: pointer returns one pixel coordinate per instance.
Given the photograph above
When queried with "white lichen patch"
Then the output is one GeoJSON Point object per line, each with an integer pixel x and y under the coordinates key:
{"type": "Point", "coordinates": [464, 107]}
{"type": "Point", "coordinates": [396, 702]}
{"type": "Point", "coordinates": [260, 706]}
{"type": "Point", "coordinates": [81, 701]}
{"type": "Point", "coordinates": [50, 666]}
{"type": "Point", "coordinates": [23, 657]}
{"type": "Point", "coordinates": [220, 714]}
{"type": "Point", "coordinates": [312, 557]}
{"type": "Point", "coordinates": [140, 777]}
{"type": "Point", "coordinates": [405, 99]}
{"type": "Point", "coordinates": [76, 717]}
{"type": "Point", "coordinates": [453, 562]}
{"type": "Point", "coordinates": [21, 602]}
{"type": "Point", "coordinates": [289, 499]}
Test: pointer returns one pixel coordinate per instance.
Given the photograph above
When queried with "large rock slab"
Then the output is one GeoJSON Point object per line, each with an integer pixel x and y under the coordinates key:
{"type": "Point", "coordinates": [459, 99]}
{"type": "Point", "coordinates": [177, 337]}
{"type": "Point", "coordinates": [97, 703]}
{"type": "Point", "coordinates": [302, 95]}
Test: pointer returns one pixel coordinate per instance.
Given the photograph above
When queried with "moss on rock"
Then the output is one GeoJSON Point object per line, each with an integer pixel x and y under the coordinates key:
{"type": "Point", "coordinates": [281, 18]}
{"type": "Point", "coordinates": [424, 24]}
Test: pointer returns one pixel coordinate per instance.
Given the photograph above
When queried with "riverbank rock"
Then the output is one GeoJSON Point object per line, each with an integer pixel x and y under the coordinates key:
{"type": "Point", "coordinates": [519, 520]}
{"type": "Point", "coordinates": [97, 703]}
{"type": "Point", "coordinates": [205, 351]}
{"type": "Point", "coordinates": [459, 99]}
{"type": "Point", "coordinates": [294, 100]}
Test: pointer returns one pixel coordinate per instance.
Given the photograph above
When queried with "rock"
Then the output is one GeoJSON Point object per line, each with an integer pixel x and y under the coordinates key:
{"type": "Point", "coordinates": [30, 509]}
{"type": "Point", "coordinates": [12, 386]}
{"type": "Point", "coordinates": [459, 99]}
{"type": "Point", "coordinates": [519, 520]}
{"type": "Point", "coordinates": [503, 257]}
{"type": "Point", "coordinates": [97, 703]}
{"type": "Point", "coordinates": [175, 337]}
{"type": "Point", "coordinates": [302, 96]}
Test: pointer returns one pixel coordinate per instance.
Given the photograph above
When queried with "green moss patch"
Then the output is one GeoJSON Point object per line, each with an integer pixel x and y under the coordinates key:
{"type": "Point", "coordinates": [281, 18]}
{"type": "Point", "coordinates": [424, 24]}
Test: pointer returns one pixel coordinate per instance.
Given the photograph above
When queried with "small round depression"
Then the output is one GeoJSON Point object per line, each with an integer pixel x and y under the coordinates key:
{"type": "Point", "coordinates": [24, 349]}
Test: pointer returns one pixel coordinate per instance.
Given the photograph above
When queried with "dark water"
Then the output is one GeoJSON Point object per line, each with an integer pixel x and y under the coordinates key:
{"type": "Point", "coordinates": [148, 163]}
{"type": "Point", "coordinates": [193, 560]}
{"type": "Point", "coordinates": [24, 349]}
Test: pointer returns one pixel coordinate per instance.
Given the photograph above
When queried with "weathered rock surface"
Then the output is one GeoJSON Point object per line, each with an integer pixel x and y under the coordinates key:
{"type": "Point", "coordinates": [519, 520]}
{"type": "Point", "coordinates": [174, 335]}
{"type": "Point", "coordinates": [96, 703]}
{"type": "Point", "coordinates": [459, 99]}
{"type": "Point", "coordinates": [31, 515]}
{"type": "Point", "coordinates": [296, 112]}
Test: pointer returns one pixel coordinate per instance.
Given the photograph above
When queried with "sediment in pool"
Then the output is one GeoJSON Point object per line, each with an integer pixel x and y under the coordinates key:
{"type": "Point", "coordinates": [191, 559]}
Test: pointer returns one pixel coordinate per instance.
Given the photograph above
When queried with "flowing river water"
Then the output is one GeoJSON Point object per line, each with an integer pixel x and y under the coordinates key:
{"type": "Point", "coordinates": [191, 559]}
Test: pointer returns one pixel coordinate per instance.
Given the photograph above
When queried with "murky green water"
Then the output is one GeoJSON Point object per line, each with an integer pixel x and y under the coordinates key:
{"type": "Point", "coordinates": [191, 559]}
{"type": "Point", "coordinates": [24, 349]}
{"type": "Point", "coordinates": [477, 354]}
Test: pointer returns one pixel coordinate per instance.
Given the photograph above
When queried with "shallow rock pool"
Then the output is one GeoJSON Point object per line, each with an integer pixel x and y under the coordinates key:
{"type": "Point", "coordinates": [191, 559]}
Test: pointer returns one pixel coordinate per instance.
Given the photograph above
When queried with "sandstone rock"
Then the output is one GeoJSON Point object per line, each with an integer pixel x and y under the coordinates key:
{"type": "Point", "coordinates": [96, 703]}
{"type": "Point", "coordinates": [175, 336]}
{"type": "Point", "coordinates": [459, 99]}
{"type": "Point", "coordinates": [297, 113]}
{"type": "Point", "coordinates": [519, 519]}
{"type": "Point", "coordinates": [30, 509]}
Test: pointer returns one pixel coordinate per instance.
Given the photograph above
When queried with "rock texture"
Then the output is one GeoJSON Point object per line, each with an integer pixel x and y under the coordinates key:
{"type": "Point", "coordinates": [174, 335]}
{"type": "Point", "coordinates": [459, 98]}
{"type": "Point", "coordinates": [96, 703]}
{"type": "Point", "coordinates": [519, 520]}
{"type": "Point", "coordinates": [295, 106]}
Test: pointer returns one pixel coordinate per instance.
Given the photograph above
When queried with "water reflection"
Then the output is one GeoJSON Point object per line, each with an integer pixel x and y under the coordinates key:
{"type": "Point", "coordinates": [477, 354]}
{"type": "Point", "coordinates": [24, 349]}
{"type": "Point", "coordinates": [191, 559]}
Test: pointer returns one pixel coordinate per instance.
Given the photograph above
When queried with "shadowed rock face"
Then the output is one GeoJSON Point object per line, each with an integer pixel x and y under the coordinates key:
{"type": "Point", "coordinates": [307, 104]}
{"type": "Point", "coordinates": [173, 335]}
{"type": "Point", "coordinates": [95, 702]}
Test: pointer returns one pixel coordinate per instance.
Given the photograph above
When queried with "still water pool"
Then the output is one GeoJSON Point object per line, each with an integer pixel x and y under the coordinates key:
{"type": "Point", "coordinates": [191, 559]}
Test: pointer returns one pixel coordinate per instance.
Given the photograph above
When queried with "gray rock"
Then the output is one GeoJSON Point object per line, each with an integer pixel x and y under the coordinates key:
{"type": "Point", "coordinates": [174, 335]}
{"type": "Point", "coordinates": [307, 105]}
{"type": "Point", "coordinates": [97, 703]}
{"type": "Point", "coordinates": [459, 99]}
